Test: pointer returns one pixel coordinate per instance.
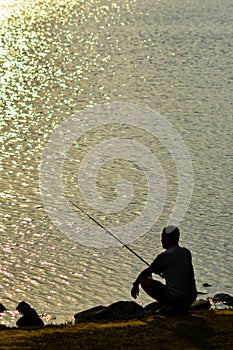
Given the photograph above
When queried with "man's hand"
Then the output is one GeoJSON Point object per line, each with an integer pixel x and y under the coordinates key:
{"type": "Point", "coordinates": [135, 290]}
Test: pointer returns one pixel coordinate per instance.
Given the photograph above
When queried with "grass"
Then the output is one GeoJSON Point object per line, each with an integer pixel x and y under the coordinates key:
{"type": "Point", "coordinates": [200, 330]}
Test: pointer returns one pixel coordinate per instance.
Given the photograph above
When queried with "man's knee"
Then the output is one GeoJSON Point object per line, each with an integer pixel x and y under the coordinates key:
{"type": "Point", "coordinates": [146, 282]}
{"type": "Point", "coordinates": [154, 289]}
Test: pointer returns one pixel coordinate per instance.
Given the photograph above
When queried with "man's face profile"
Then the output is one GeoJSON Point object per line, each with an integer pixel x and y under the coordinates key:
{"type": "Point", "coordinates": [165, 240]}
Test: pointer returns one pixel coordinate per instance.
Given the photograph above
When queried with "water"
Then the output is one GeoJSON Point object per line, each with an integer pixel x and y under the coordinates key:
{"type": "Point", "coordinates": [60, 57]}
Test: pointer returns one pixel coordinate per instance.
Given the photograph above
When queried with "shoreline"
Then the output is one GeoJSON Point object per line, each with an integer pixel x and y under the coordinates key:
{"type": "Point", "coordinates": [204, 329]}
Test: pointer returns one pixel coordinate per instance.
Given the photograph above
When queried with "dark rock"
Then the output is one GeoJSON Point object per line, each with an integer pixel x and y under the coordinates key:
{"type": "Point", "coordinates": [152, 308]}
{"type": "Point", "coordinates": [93, 314]}
{"type": "Point", "coordinates": [2, 326]}
{"type": "Point", "coordinates": [201, 304]}
{"type": "Point", "coordinates": [207, 285]}
{"type": "Point", "coordinates": [223, 298]}
{"type": "Point", "coordinates": [2, 308]}
{"type": "Point", "coordinates": [30, 317]}
{"type": "Point", "coordinates": [121, 310]}
{"type": "Point", "coordinates": [230, 302]}
{"type": "Point", "coordinates": [125, 310]}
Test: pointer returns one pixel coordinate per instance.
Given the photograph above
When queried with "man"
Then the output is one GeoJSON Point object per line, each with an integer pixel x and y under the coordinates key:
{"type": "Point", "coordinates": [175, 266]}
{"type": "Point", "coordinates": [30, 317]}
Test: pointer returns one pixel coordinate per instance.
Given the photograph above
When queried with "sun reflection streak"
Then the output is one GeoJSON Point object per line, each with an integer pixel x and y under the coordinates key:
{"type": "Point", "coordinates": [8, 6]}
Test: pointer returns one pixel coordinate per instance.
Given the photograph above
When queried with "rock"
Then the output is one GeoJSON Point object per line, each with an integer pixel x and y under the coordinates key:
{"type": "Point", "coordinates": [93, 314]}
{"type": "Point", "coordinates": [2, 308]}
{"type": "Point", "coordinates": [230, 302]}
{"type": "Point", "coordinates": [201, 304]}
{"type": "Point", "coordinates": [2, 326]}
{"type": "Point", "coordinates": [125, 310]}
{"type": "Point", "coordinates": [121, 310]}
{"type": "Point", "coordinates": [207, 285]}
{"type": "Point", "coordinates": [223, 298]}
{"type": "Point", "coordinates": [152, 308]}
{"type": "Point", "coordinates": [30, 317]}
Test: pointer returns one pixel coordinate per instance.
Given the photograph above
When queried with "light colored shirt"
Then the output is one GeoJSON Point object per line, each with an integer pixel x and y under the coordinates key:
{"type": "Point", "coordinates": [175, 265]}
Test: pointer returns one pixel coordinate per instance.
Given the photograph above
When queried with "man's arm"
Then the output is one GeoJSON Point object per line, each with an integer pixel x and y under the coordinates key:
{"type": "Point", "coordinates": [145, 273]}
{"type": "Point", "coordinates": [156, 267]}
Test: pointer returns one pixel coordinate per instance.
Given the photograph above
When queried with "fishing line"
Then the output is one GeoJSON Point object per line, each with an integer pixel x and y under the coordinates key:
{"type": "Point", "coordinates": [110, 233]}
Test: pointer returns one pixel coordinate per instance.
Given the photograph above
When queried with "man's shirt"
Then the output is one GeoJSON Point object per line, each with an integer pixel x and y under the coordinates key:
{"type": "Point", "coordinates": [175, 266]}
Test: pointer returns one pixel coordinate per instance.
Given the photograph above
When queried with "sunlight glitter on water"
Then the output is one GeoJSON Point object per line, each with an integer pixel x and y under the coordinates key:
{"type": "Point", "coordinates": [58, 59]}
{"type": "Point", "coordinates": [8, 6]}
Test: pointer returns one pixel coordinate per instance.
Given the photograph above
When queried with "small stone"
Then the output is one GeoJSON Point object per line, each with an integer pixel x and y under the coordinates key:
{"type": "Point", "coordinates": [201, 304]}
{"type": "Point", "coordinates": [152, 308]}
{"type": "Point", "coordinates": [223, 298]}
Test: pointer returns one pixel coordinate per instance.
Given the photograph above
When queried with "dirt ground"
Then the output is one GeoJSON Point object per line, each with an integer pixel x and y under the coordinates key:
{"type": "Point", "coordinates": [200, 330]}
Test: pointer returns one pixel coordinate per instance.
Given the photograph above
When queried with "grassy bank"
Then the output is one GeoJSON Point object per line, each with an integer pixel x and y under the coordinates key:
{"type": "Point", "coordinates": [199, 330]}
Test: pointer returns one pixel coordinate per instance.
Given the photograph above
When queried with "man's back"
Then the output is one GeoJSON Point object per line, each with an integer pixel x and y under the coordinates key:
{"type": "Point", "coordinates": [175, 266]}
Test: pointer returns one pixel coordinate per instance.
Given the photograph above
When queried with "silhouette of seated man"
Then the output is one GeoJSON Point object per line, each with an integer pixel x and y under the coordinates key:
{"type": "Point", "coordinates": [30, 317]}
{"type": "Point", "coordinates": [175, 266]}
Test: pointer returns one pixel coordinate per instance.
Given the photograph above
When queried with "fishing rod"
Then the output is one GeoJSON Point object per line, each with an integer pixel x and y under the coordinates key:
{"type": "Point", "coordinates": [109, 232]}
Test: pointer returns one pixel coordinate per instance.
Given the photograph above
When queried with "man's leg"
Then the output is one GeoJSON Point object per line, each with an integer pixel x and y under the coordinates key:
{"type": "Point", "coordinates": [158, 291]}
{"type": "Point", "coordinates": [155, 289]}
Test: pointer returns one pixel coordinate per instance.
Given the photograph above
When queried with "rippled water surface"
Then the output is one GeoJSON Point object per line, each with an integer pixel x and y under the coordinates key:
{"type": "Point", "coordinates": [60, 57]}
